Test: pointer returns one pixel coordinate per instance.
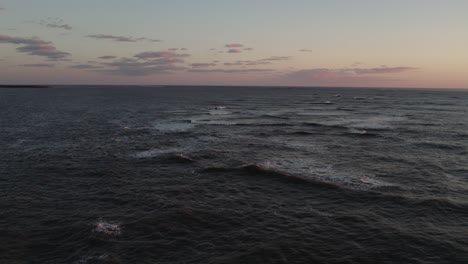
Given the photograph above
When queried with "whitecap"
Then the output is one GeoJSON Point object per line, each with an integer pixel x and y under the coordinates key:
{"type": "Point", "coordinates": [357, 131]}
{"type": "Point", "coordinates": [107, 228]}
{"type": "Point", "coordinates": [375, 183]}
{"type": "Point", "coordinates": [219, 112]}
{"type": "Point", "coordinates": [155, 152]}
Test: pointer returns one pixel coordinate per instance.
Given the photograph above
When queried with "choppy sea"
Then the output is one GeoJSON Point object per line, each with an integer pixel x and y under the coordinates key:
{"type": "Point", "coordinates": [233, 175]}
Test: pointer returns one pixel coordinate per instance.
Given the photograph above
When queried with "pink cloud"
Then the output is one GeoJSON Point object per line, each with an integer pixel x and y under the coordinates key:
{"type": "Point", "coordinates": [35, 46]}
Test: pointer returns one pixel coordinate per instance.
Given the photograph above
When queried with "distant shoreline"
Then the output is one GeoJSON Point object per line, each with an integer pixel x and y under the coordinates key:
{"type": "Point", "coordinates": [25, 86]}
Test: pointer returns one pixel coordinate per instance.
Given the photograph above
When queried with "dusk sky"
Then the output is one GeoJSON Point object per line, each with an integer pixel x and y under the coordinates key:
{"type": "Point", "coordinates": [398, 43]}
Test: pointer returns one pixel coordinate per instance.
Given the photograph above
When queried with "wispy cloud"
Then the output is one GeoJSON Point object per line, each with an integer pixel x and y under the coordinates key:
{"type": "Point", "coordinates": [323, 73]}
{"type": "Point", "coordinates": [41, 65]}
{"type": "Point", "coordinates": [146, 63]}
{"type": "Point", "coordinates": [55, 23]}
{"type": "Point", "coordinates": [260, 62]}
{"type": "Point", "coordinates": [107, 57]}
{"type": "Point", "coordinates": [357, 63]}
{"type": "Point", "coordinates": [121, 38]}
{"type": "Point", "coordinates": [237, 63]}
{"type": "Point", "coordinates": [35, 46]}
{"type": "Point", "coordinates": [264, 61]}
{"type": "Point", "coordinates": [234, 45]}
{"type": "Point", "coordinates": [202, 65]}
{"type": "Point", "coordinates": [85, 66]}
{"type": "Point", "coordinates": [248, 49]}
{"type": "Point", "coordinates": [305, 50]}
{"type": "Point", "coordinates": [230, 70]}
{"type": "Point", "coordinates": [234, 51]}
{"type": "Point", "coordinates": [277, 58]}
{"type": "Point", "coordinates": [160, 54]}
{"type": "Point", "coordinates": [344, 76]}
{"type": "Point", "coordinates": [382, 70]}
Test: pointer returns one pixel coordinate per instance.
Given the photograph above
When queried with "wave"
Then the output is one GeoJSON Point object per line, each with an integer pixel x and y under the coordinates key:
{"type": "Point", "coordinates": [274, 116]}
{"type": "Point", "coordinates": [359, 193]}
{"type": "Point", "coordinates": [360, 133]}
{"type": "Point", "coordinates": [107, 228]}
{"type": "Point", "coordinates": [155, 153]}
{"type": "Point", "coordinates": [181, 158]}
{"type": "Point", "coordinates": [312, 124]}
{"type": "Point", "coordinates": [364, 186]}
{"type": "Point", "coordinates": [219, 112]}
{"type": "Point", "coordinates": [260, 170]}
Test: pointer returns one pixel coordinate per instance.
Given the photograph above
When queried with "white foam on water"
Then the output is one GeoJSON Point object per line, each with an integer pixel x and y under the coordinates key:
{"type": "Point", "coordinates": [219, 112]}
{"type": "Point", "coordinates": [357, 131]}
{"type": "Point", "coordinates": [316, 170]}
{"type": "Point", "coordinates": [372, 122]}
{"type": "Point", "coordinates": [155, 152]}
{"type": "Point", "coordinates": [174, 126]}
{"type": "Point", "coordinates": [107, 228]}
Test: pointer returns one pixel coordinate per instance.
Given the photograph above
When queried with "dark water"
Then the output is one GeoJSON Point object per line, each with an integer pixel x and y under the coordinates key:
{"type": "Point", "coordinates": [95, 175]}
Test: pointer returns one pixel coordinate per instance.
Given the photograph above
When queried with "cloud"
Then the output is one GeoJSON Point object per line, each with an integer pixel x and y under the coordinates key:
{"type": "Point", "coordinates": [277, 58]}
{"type": "Point", "coordinates": [234, 51]}
{"type": "Point", "coordinates": [35, 46]}
{"type": "Point", "coordinates": [202, 65]}
{"type": "Point", "coordinates": [237, 63]}
{"type": "Point", "coordinates": [345, 76]}
{"type": "Point", "coordinates": [265, 61]}
{"type": "Point", "coordinates": [249, 49]}
{"type": "Point", "coordinates": [143, 70]}
{"type": "Point", "coordinates": [85, 66]}
{"type": "Point", "coordinates": [121, 38]}
{"type": "Point", "coordinates": [160, 54]}
{"type": "Point", "coordinates": [145, 63]}
{"type": "Point", "coordinates": [305, 50]}
{"type": "Point", "coordinates": [234, 45]}
{"type": "Point", "coordinates": [260, 62]}
{"type": "Point", "coordinates": [382, 70]}
{"type": "Point", "coordinates": [229, 70]}
{"type": "Point", "coordinates": [107, 57]}
{"type": "Point", "coordinates": [248, 63]}
{"type": "Point", "coordinates": [338, 73]}
{"type": "Point", "coordinates": [42, 65]}
{"type": "Point", "coordinates": [55, 23]}
{"type": "Point", "coordinates": [173, 49]}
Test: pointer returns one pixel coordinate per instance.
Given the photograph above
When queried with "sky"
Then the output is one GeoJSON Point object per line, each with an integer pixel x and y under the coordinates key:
{"type": "Point", "coordinates": [358, 43]}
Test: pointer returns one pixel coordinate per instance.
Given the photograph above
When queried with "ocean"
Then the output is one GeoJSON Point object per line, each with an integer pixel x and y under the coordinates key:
{"type": "Point", "coordinates": [233, 175]}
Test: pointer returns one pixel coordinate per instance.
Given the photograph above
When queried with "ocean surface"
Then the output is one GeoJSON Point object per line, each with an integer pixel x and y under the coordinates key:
{"type": "Point", "coordinates": [233, 175]}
